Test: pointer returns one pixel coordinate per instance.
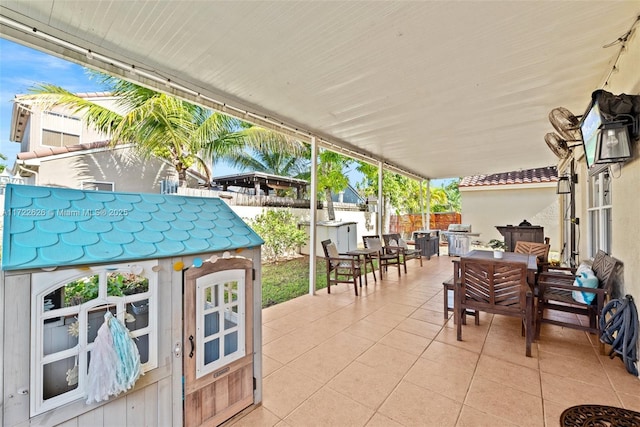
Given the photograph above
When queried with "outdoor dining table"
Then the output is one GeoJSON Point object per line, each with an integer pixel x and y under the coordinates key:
{"type": "Point", "coordinates": [365, 253]}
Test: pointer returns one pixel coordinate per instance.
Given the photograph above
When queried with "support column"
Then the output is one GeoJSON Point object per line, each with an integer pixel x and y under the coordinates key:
{"type": "Point", "coordinates": [379, 230]}
{"type": "Point", "coordinates": [313, 216]}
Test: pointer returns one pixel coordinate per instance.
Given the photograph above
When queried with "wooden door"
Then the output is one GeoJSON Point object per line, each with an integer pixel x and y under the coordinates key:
{"type": "Point", "coordinates": [218, 341]}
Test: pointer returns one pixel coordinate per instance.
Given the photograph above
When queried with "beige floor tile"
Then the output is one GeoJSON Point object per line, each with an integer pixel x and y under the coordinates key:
{"type": "Point", "coordinates": [399, 308]}
{"type": "Point", "coordinates": [552, 412]}
{"type": "Point", "coordinates": [270, 334]}
{"type": "Point", "coordinates": [405, 341]}
{"type": "Point", "coordinates": [285, 389]}
{"type": "Point", "coordinates": [269, 365]}
{"type": "Point", "coordinates": [496, 399]}
{"type": "Point", "coordinates": [259, 417]}
{"type": "Point", "coordinates": [329, 408]}
{"type": "Point", "coordinates": [630, 401]}
{"type": "Point", "coordinates": [511, 350]}
{"type": "Point", "coordinates": [440, 378]}
{"type": "Point", "coordinates": [429, 316]}
{"type": "Point", "coordinates": [385, 318]}
{"type": "Point", "coordinates": [364, 384]}
{"type": "Point", "coordinates": [287, 323]}
{"type": "Point", "coordinates": [369, 330]}
{"type": "Point", "coordinates": [472, 338]}
{"type": "Point", "coordinates": [559, 333]}
{"type": "Point", "coordinates": [590, 372]}
{"type": "Point", "coordinates": [388, 360]}
{"type": "Point", "coordinates": [562, 348]}
{"type": "Point", "coordinates": [454, 357]}
{"type": "Point", "coordinates": [509, 374]}
{"type": "Point", "coordinates": [379, 420]}
{"type": "Point", "coordinates": [571, 392]}
{"type": "Point", "coordinates": [419, 327]}
{"type": "Point", "coordinates": [411, 405]}
{"type": "Point", "coordinates": [346, 345]}
{"type": "Point", "coordinates": [621, 380]}
{"type": "Point", "coordinates": [471, 417]}
{"type": "Point", "coordinates": [317, 332]}
{"type": "Point", "coordinates": [321, 364]}
{"type": "Point", "coordinates": [286, 348]}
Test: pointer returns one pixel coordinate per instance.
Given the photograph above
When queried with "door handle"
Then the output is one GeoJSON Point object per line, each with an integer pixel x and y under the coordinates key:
{"type": "Point", "coordinates": [193, 345]}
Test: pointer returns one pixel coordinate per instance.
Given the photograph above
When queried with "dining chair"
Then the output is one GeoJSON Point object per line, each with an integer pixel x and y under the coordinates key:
{"type": "Point", "coordinates": [394, 243]}
{"type": "Point", "coordinates": [344, 269]}
{"type": "Point", "coordinates": [385, 258]}
{"type": "Point", "coordinates": [540, 250]}
{"type": "Point", "coordinates": [497, 287]}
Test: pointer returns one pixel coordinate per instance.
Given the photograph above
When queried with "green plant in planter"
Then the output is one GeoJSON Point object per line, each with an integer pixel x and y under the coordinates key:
{"type": "Point", "coordinates": [497, 245]}
{"type": "Point", "coordinates": [118, 284]}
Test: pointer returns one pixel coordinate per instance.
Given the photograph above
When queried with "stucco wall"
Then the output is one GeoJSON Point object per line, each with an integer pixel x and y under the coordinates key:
{"type": "Point", "coordinates": [129, 172]}
{"type": "Point", "coordinates": [486, 208]}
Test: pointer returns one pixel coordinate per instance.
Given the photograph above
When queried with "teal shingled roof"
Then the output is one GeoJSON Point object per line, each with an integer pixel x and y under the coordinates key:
{"type": "Point", "coordinates": [49, 227]}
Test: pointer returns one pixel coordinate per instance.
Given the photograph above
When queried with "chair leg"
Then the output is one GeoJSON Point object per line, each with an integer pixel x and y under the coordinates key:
{"type": "Point", "coordinates": [404, 262]}
{"type": "Point", "coordinates": [446, 301]}
{"type": "Point", "coordinates": [355, 284]}
{"type": "Point", "coordinates": [528, 323]}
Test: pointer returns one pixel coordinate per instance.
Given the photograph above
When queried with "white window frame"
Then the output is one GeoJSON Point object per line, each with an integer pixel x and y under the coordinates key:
{"type": "Point", "coordinates": [86, 182]}
{"type": "Point", "coordinates": [599, 212]}
{"type": "Point", "coordinates": [46, 282]}
{"type": "Point", "coordinates": [209, 281]}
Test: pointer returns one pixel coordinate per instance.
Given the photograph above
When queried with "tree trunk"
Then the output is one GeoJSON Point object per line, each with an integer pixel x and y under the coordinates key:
{"type": "Point", "coordinates": [330, 211]}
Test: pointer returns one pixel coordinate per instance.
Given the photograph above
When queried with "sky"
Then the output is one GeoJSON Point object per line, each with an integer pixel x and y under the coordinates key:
{"type": "Point", "coordinates": [22, 67]}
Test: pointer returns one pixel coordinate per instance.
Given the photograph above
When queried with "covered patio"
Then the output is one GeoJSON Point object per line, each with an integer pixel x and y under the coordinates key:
{"type": "Point", "coordinates": [388, 358]}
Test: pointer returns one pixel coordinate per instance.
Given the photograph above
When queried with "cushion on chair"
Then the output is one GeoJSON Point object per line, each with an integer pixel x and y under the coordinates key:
{"type": "Point", "coordinates": [586, 279]}
{"type": "Point", "coordinates": [582, 268]}
{"type": "Point", "coordinates": [332, 250]}
{"type": "Point", "coordinates": [403, 244]}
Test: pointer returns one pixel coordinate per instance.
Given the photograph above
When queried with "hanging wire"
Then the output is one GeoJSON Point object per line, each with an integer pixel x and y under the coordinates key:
{"type": "Point", "coordinates": [622, 41]}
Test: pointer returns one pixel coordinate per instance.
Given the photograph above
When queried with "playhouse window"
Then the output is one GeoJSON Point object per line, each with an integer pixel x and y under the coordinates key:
{"type": "Point", "coordinates": [68, 308]}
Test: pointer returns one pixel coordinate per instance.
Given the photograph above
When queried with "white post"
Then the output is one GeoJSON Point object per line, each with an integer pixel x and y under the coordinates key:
{"type": "Point", "coordinates": [428, 227]}
{"type": "Point", "coordinates": [379, 230]}
{"type": "Point", "coordinates": [312, 216]}
{"type": "Point", "coordinates": [422, 205]}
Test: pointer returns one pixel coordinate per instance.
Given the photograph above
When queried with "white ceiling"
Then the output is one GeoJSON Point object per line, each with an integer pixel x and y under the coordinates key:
{"type": "Point", "coordinates": [439, 89]}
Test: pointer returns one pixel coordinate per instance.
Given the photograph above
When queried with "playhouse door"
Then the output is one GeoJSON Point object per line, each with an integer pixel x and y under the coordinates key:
{"type": "Point", "coordinates": [218, 338]}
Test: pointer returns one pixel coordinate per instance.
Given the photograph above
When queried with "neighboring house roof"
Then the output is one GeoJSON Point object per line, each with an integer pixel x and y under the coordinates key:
{"type": "Point", "coordinates": [528, 176]}
{"type": "Point", "coordinates": [50, 227]}
{"type": "Point", "coordinates": [350, 196]}
{"type": "Point", "coordinates": [52, 151]}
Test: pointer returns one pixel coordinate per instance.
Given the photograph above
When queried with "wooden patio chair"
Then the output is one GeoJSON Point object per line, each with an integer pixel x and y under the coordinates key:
{"type": "Point", "coordinates": [385, 259]}
{"type": "Point", "coordinates": [540, 250]}
{"type": "Point", "coordinates": [555, 293]}
{"type": "Point", "coordinates": [345, 269]}
{"type": "Point", "coordinates": [498, 287]}
{"type": "Point", "coordinates": [393, 243]}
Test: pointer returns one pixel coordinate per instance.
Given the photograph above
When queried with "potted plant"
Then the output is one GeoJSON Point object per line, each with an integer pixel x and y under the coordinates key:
{"type": "Point", "coordinates": [498, 247]}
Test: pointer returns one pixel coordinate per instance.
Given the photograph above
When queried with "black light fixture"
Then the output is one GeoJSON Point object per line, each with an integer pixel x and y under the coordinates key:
{"type": "Point", "coordinates": [614, 143]}
{"type": "Point", "coordinates": [564, 185]}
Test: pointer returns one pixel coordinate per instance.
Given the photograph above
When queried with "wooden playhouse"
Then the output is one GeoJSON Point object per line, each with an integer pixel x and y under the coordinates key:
{"type": "Point", "coordinates": [182, 273]}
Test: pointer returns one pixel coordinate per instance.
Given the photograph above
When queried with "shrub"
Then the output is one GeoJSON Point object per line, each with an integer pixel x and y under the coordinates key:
{"type": "Point", "coordinates": [280, 232]}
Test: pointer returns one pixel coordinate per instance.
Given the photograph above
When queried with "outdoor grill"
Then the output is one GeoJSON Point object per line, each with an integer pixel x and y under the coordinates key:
{"type": "Point", "coordinates": [459, 238]}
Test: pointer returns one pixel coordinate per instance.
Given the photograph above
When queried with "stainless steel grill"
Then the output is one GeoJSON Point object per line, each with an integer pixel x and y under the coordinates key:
{"type": "Point", "coordinates": [459, 238]}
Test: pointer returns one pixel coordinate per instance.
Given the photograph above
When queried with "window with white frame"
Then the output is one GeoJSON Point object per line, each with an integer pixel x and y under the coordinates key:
{"type": "Point", "coordinates": [98, 185]}
{"type": "Point", "coordinates": [599, 213]}
{"type": "Point", "coordinates": [68, 308]}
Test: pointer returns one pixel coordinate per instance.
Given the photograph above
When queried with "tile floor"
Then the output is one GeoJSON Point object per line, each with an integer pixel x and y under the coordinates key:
{"type": "Point", "coordinates": [388, 358]}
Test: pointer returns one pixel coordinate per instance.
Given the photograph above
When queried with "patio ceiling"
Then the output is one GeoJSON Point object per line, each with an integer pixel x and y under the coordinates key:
{"type": "Point", "coordinates": [438, 89]}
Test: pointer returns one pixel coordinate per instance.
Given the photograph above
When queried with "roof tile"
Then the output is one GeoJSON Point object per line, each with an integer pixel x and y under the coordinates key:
{"type": "Point", "coordinates": [528, 176]}
{"type": "Point", "coordinates": [50, 226]}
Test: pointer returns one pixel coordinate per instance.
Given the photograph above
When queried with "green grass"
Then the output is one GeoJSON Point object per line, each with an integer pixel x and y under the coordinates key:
{"type": "Point", "coordinates": [285, 280]}
{"type": "Point", "coordinates": [289, 279]}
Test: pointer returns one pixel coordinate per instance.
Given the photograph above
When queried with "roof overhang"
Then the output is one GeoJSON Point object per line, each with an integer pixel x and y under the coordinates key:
{"type": "Point", "coordinates": [430, 89]}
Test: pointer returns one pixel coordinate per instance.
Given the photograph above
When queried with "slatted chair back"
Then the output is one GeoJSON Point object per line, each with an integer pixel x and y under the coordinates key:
{"type": "Point", "coordinates": [498, 287]}
{"type": "Point", "coordinates": [540, 250]}
{"type": "Point", "coordinates": [394, 243]}
{"type": "Point", "coordinates": [372, 242]}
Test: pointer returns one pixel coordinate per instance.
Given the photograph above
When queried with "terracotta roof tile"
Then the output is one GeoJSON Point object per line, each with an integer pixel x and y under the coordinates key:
{"type": "Point", "coordinates": [52, 151]}
{"type": "Point", "coordinates": [527, 176]}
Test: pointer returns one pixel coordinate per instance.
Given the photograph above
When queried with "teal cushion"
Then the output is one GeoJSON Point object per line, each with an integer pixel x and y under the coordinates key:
{"type": "Point", "coordinates": [586, 279]}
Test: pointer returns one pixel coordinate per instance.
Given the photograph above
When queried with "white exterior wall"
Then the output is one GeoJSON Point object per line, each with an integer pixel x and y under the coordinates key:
{"type": "Point", "coordinates": [121, 166]}
{"type": "Point", "coordinates": [486, 207]}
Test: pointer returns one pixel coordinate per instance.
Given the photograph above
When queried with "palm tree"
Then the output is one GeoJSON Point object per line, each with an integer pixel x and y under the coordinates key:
{"type": "Point", "coordinates": [161, 125]}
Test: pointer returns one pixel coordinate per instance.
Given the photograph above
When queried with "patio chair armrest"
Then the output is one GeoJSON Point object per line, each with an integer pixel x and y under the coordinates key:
{"type": "Point", "coordinates": [542, 286]}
